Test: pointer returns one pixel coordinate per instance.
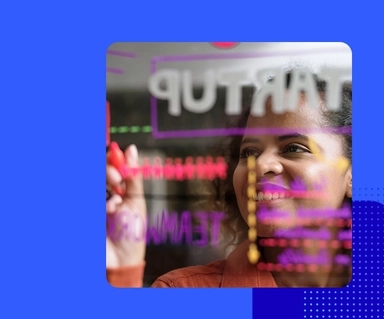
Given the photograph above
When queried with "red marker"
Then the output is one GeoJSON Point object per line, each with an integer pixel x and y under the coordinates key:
{"type": "Point", "coordinates": [116, 158]}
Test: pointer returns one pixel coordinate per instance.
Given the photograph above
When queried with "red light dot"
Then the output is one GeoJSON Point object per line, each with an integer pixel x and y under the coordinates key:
{"type": "Point", "coordinates": [224, 45]}
{"type": "Point", "coordinates": [294, 243]}
{"type": "Point", "coordinates": [322, 244]}
{"type": "Point", "coordinates": [312, 268]}
{"type": "Point", "coordinates": [300, 267]}
{"type": "Point", "coordinates": [289, 267]}
{"type": "Point", "coordinates": [269, 242]}
{"type": "Point", "coordinates": [348, 244]}
{"type": "Point", "coordinates": [325, 268]}
{"type": "Point", "coordinates": [282, 242]}
{"type": "Point", "coordinates": [335, 244]}
{"type": "Point", "coordinates": [269, 267]}
{"type": "Point", "coordinates": [307, 243]}
{"type": "Point", "coordinates": [278, 267]}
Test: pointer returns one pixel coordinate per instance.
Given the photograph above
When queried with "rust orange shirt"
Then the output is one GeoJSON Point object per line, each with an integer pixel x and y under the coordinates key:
{"type": "Point", "coordinates": [235, 271]}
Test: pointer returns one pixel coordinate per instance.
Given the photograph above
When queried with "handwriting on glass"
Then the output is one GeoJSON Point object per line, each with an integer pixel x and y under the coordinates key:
{"type": "Point", "coordinates": [197, 229]}
{"type": "Point", "coordinates": [302, 80]}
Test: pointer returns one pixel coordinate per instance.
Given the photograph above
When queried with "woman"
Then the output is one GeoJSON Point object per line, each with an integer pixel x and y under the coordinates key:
{"type": "Point", "coordinates": [292, 162]}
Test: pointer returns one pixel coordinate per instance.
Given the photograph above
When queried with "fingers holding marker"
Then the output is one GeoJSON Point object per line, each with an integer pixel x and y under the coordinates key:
{"type": "Point", "coordinates": [122, 174]}
{"type": "Point", "coordinates": [114, 180]}
{"type": "Point", "coordinates": [134, 182]}
{"type": "Point", "coordinates": [115, 162]}
{"type": "Point", "coordinates": [115, 158]}
{"type": "Point", "coordinates": [117, 169]}
{"type": "Point", "coordinates": [113, 203]}
{"type": "Point", "coordinates": [113, 176]}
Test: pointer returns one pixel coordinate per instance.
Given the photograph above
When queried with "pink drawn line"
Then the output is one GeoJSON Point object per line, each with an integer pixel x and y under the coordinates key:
{"type": "Point", "coordinates": [122, 53]}
{"type": "Point", "coordinates": [203, 169]}
{"type": "Point", "coordinates": [299, 194]}
{"type": "Point", "coordinates": [306, 194]}
{"type": "Point", "coordinates": [115, 70]}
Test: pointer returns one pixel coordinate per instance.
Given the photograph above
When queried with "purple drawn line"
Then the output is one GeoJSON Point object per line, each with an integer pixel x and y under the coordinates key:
{"type": "Point", "coordinates": [244, 55]}
{"type": "Point", "coordinates": [153, 66]}
{"type": "Point", "coordinates": [122, 53]}
{"type": "Point", "coordinates": [242, 131]}
{"type": "Point", "coordinates": [115, 70]}
{"type": "Point", "coordinates": [155, 131]}
{"type": "Point", "coordinates": [154, 118]}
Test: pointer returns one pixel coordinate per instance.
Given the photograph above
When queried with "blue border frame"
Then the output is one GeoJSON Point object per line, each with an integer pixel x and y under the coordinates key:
{"type": "Point", "coordinates": [53, 86]}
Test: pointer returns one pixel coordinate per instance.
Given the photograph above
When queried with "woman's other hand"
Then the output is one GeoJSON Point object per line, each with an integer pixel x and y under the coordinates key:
{"type": "Point", "coordinates": [126, 214]}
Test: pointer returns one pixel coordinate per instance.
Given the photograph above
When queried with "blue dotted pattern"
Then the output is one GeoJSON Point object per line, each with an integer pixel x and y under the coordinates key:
{"type": "Point", "coordinates": [363, 297]}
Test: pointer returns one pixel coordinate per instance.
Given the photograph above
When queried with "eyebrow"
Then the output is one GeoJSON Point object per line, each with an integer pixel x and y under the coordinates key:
{"type": "Point", "coordinates": [288, 136]}
{"type": "Point", "coordinates": [279, 138]}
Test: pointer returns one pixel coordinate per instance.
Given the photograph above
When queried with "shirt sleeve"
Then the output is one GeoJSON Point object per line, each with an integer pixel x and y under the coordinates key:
{"type": "Point", "coordinates": [124, 277]}
{"type": "Point", "coordinates": [160, 284]}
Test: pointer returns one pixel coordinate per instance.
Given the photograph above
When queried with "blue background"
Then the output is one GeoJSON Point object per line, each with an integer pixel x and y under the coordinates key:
{"type": "Point", "coordinates": [53, 59]}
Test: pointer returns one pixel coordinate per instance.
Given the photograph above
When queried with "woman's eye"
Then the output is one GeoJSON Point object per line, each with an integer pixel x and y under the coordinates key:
{"type": "Point", "coordinates": [247, 152]}
{"type": "Point", "coordinates": [295, 149]}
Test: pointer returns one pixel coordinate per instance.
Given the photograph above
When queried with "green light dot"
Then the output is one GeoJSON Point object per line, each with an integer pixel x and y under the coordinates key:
{"type": "Point", "coordinates": [123, 129]}
{"type": "Point", "coordinates": [113, 129]}
{"type": "Point", "coordinates": [135, 129]}
{"type": "Point", "coordinates": [146, 129]}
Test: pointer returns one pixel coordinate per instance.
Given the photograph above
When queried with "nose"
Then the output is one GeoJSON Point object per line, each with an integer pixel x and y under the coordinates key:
{"type": "Point", "coordinates": [268, 163]}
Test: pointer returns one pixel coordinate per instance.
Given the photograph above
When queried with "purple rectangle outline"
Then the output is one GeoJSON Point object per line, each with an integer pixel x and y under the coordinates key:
{"type": "Point", "coordinates": [228, 131]}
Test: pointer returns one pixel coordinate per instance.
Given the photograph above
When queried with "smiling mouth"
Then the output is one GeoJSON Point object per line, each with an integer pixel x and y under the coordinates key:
{"type": "Point", "coordinates": [268, 196]}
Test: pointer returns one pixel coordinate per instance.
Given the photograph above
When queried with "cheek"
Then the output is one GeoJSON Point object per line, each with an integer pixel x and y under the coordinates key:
{"type": "Point", "coordinates": [239, 184]}
{"type": "Point", "coordinates": [237, 180]}
{"type": "Point", "coordinates": [326, 174]}
{"type": "Point", "coordinates": [327, 180]}
{"type": "Point", "coordinates": [335, 187]}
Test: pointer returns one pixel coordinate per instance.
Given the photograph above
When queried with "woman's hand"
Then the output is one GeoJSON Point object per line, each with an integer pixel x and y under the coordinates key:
{"type": "Point", "coordinates": [126, 215]}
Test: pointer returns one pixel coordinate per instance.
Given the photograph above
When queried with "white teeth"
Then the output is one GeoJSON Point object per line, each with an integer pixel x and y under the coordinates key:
{"type": "Point", "coordinates": [269, 196]}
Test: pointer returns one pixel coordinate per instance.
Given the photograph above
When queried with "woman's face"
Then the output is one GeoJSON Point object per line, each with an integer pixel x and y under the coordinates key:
{"type": "Point", "coordinates": [284, 161]}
